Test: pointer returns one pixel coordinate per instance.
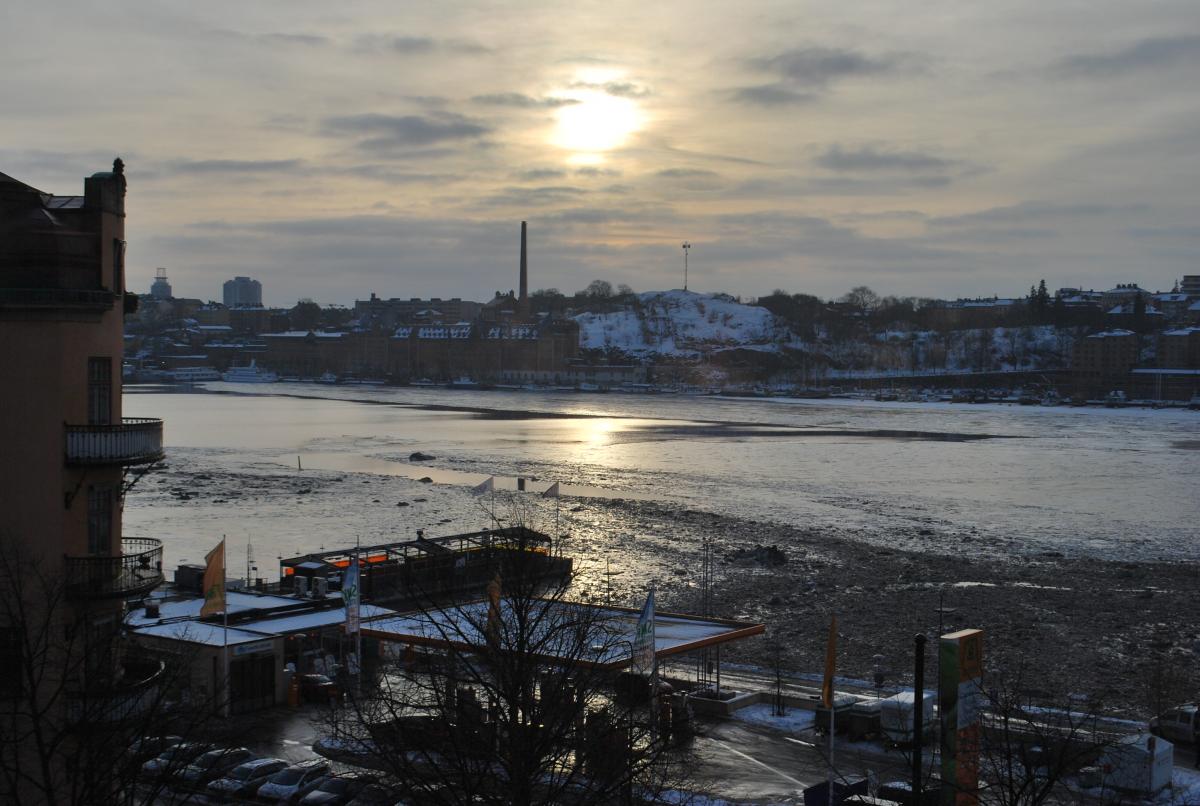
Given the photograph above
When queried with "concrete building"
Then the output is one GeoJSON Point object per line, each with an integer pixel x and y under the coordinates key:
{"type": "Point", "coordinates": [69, 453]}
{"type": "Point", "coordinates": [243, 292]}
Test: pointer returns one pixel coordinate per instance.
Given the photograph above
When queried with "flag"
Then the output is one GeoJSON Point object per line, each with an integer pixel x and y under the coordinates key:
{"type": "Point", "coordinates": [643, 638]}
{"type": "Point", "coordinates": [830, 661]}
{"type": "Point", "coordinates": [214, 581]}
{"type": "Point", "coordinates": [484, 488]}
{"type": "Point", "coordinates": [350, 595]}
{"type": "Point", "coordinates": [551, 491]}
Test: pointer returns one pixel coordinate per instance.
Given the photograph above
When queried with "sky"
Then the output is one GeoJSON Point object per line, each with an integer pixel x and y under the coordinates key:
{"type": "Point", "coordinates": [332, 150]}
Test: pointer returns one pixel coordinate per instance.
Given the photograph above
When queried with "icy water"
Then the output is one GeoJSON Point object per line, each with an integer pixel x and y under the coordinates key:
{"type": "Point", "coordinates": [1097, 482]}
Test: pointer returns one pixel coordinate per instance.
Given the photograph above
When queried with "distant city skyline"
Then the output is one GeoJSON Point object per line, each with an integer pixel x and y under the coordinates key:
{"type": "Point", "coordinates": [969, 150]}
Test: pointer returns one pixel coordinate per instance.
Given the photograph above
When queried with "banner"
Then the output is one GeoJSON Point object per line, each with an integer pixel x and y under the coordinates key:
{"type": "Point", "coordinates": [213, 585]}
{"type": "Point", "coordinates": [484, 488]}
{"type": "Point", "coordinates": [350, 595]}
{"type": "Point", "coordinates": [643, 639]}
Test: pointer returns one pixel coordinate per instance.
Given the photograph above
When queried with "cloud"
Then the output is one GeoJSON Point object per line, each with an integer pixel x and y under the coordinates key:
{"type": "Point", "coordinates": [234, 166]}
{"type": "Point", "coordinates": [1034, 211]}
{"type": "Point", "coordinates": [294, 39]}
{"type": "Point", "coordinates": [621, 89]}
{"type": "Point", "coordinates": [686, 173]}
{"type": "Point", "coordinates": [772, 95]}
{"type": "Point", "coordinates": [409, 45]}
{"type": "Point", "coordinates": [386, 132]}
{"type": "Point", "coordinates": [539, 174]}
{"type": "Point", "coordinates": [532, 197]}
{"type": "Point", "coordinates": [818, 67]}
{"type": "Point", "coordinates": [592, 170]}
{"type": "Point", "coordinates": [1146, 54]}
{"type": "Point", "coordinates": [519, 101]}
{"type": "Point", "coordinates": [868, 159]}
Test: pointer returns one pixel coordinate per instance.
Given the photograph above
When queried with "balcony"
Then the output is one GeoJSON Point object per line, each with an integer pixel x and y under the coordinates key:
{"type": "Point", "coordinates": [136, 441]}
{"type": "Point", "coordinates": [134, 696]}
{"type": "Point", "coordinates": [137, 571]}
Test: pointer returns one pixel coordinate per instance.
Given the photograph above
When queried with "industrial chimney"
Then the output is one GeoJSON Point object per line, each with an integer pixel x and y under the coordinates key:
{"type": "Point", "coordinates": [524, 268]}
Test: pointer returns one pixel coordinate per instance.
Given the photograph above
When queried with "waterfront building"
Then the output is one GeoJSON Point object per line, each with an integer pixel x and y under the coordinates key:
{"type": "Point", "coordinates": [243, 292]}
{"type": "Point", "coordinates": [70, 456]}
{"type": "Point", "coordinates": [1102, 362]}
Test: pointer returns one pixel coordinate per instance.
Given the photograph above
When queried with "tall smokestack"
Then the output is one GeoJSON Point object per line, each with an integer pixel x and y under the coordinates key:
{"type": "Point", "coordinates": [524, 267]}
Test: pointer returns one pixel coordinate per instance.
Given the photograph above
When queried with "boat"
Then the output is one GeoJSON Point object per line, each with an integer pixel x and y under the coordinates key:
{"type": "Point", "coordinates": [464, 383]}
{"type": "Point", "coordinates": [193, 374]}
{"type": "Point", "coordinates": [249, 374]}
{"type": "Point", "coordinates": [1115, 399]}
{"type": "Point", "coordinates": [1194, 403]}
{"type": "Point", "coordinates": [422, 382]}
{"type": "Point", "coordinates": [328, 378]}
{"type": "Point", "coordinates": [1052, 398]}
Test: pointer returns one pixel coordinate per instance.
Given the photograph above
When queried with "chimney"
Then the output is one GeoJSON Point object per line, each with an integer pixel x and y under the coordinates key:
{"type": "Point", "coordinates": [524, 267]}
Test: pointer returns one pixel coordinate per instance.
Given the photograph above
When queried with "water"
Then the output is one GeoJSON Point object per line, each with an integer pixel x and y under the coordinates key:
{"type": "Point", "coordinates": [987, 478]}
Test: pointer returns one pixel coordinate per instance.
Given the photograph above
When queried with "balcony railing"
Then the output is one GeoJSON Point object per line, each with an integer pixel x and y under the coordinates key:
{"type": "Point", "coordinates": [135, 441]}
{"type": "Point", "coordinates": [133, 696]}
{"type": "Point", "coordinates": [137, 571]}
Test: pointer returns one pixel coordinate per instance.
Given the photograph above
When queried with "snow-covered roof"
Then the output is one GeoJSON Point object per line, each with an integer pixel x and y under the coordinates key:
{"type": "Point", "coordinates": [1183, 331]}
{"type": "Point", "coordinates": [300, 334]}
{"type": "Point", "coordinates": [200, 632]}
{"type": "Point", "coordinates": [611, 630]}
{"type": "Point", "coordinates": [313, 620]}
{"type": "Point", "coordinates": [1108, 334]}
{"type": "Point", "coordinates": [189, 607]}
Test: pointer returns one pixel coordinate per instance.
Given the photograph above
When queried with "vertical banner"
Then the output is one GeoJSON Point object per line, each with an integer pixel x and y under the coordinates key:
{"type": "Point", "coordinates": [960, 671]}
{"type": "Point", "coordinates": [350, 595]}
{"type": "Point", "coordinates": [644, 639]}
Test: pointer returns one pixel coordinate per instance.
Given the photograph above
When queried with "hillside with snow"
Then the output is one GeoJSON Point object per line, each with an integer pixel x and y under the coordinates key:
{"type": "Point", "coordinates": [682, 324]}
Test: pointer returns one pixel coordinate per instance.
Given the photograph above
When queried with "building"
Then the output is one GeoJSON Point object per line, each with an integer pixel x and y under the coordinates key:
{"type": "Point", "coordinates": [1190, 285]}
{"type": "Point", "coordinates": [243, 292]}
{"type": "Point", "coordinates": [1102, 362]}
{"type": "Point", "coordinates": [70, 456]}
{"type": "Point", "coordinates": [388, 314]}
{"type": "Point", "coordinates": [160, 289]}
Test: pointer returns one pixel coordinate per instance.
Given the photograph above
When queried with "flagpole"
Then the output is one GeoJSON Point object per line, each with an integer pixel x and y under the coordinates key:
{"type": "Point", "coordinates": [357, 616]}
{"type": "Point", "coordinates": [225, 619]}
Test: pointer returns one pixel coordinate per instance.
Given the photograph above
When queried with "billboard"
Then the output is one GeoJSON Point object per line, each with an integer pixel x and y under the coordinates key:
{"type": "Point", "coordinates": [960, 672]}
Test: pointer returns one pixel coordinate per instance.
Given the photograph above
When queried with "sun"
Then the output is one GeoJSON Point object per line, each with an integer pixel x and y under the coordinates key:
{"type": "Point", "coordinates": [598, 122]}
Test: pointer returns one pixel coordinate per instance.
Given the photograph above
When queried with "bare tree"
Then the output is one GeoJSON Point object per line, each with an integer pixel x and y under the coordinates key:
{"type": "Point", "coordinates": [510, 699]}
{"type": "Point", "coordinates": [75, 698]}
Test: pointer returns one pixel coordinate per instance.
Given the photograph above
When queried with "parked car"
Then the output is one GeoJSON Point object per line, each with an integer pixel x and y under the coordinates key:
{"type": "Point", "coordinates": [173, 759]}
{"type": "Point", "coordinates": [245, 779]}
{"type": "Point", "coordinates": [1180, 724]}
{"type": "Point", "coordinates": [294, 782]}
{"type": "Point", "coordinates": [149, 747]}
{"type": "Point", "coordinates": [319, 688]}
{"type": "Point", "coordinates": [337, 790]}
{"type": "Point", "coordinates": [211, 765]}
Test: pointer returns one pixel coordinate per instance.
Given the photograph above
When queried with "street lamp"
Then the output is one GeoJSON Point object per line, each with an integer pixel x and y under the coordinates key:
{"type": "Point", "coordinates": [686, 248]}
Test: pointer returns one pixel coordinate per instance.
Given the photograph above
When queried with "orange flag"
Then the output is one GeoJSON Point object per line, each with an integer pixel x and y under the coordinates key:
{"type": "Point", "coordinates": [830, 662]}
{"type": "Point", "coordinates": [214, 581]}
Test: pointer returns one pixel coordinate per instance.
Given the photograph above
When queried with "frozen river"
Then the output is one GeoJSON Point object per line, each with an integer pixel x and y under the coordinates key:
{"type": "Point", "coordinates": [1112, 483]}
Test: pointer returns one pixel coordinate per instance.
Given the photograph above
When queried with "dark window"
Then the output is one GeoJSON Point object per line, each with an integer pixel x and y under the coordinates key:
{"type": "Point", "coordinates": [118, 266]}
{"type": "Point", "coordinates": [100, 517]}
{"type": "Point", "coordinates": [99, 391]}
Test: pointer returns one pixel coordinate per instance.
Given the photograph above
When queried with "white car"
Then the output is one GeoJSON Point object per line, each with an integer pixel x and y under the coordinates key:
{"type": "Point", "coordinates": [293, 783]}
{"type": "Point", "coordinates": [244, 780]}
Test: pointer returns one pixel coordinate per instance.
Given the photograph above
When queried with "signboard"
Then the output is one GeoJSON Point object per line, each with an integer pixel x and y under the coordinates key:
{"type": "Point", "coordinates": [960, 664]}
{"type": "Point", "coordinates": [254, 647]}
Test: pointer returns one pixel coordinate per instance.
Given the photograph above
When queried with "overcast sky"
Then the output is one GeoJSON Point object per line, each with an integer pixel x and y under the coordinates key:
{"type": "Point", "coordinates": [335, 149]}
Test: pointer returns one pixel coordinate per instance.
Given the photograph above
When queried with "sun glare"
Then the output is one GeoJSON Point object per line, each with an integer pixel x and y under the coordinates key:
{"type": "Point", "coordinates": [599, 122]}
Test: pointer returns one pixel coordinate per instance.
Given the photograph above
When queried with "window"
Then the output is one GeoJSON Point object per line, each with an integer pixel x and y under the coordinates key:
{"type": "Point", "coordinates": [118, 257]}
{"type": "Point", "coordinates": [99, 391]}
{"type": "Point", "coordinates": [100, 517]}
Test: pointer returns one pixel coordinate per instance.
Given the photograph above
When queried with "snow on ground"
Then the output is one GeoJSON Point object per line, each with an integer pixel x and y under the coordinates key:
{"type": "Point", "coordinates": [681, 323]}
{"type": "Point", "coordinates": [794, 721]}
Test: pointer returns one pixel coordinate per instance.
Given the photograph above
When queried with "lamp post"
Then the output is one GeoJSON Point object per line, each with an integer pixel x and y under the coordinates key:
{"type": "Point", "coordinates": [687, 246]}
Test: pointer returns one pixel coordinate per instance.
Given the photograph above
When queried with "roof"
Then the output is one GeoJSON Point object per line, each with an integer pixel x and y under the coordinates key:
{"type": "Point", "coordinates": [189, 607]}
{"type": "Point", "coordinates": [200, 632]}
{"type": "Point", "coordinates": [612, 631]}
{"type": "Point", "coordinates": [313, 620]}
